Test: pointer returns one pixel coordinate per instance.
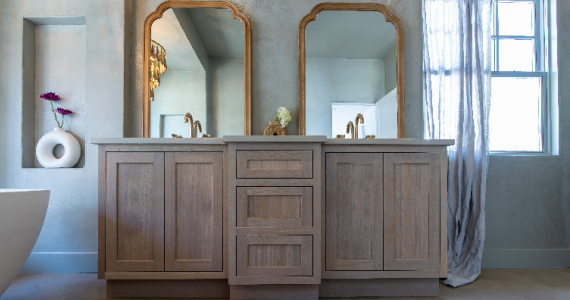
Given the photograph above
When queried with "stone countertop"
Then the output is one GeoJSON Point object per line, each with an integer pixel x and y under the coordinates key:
{"type": "Point", "coordinates": [270, 139]}
{"type": "Point", "coordinates": [405, 141]}
{"type": "Point", "coordinates": [158, 141]}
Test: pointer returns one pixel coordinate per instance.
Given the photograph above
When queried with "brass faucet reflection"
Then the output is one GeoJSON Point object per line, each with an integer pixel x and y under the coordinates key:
{"type": "Point", "coordinates": [196, 124]}
{"type": "Point", "coordinates": [193, 124]}
{"type": "Point", "coordinates": [350, 129]}
{"type": "Point", "coordinates": [360, 118]}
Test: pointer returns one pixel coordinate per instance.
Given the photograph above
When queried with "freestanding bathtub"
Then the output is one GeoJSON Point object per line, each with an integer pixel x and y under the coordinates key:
{"type": "Point", "coordinates": [22, 214]}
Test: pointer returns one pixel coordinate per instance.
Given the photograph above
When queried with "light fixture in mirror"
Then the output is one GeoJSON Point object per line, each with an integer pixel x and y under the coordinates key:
{"type": "Point", "coordinates": [351, 61]}
{"type": "Point", "coordinates": [208, 46]}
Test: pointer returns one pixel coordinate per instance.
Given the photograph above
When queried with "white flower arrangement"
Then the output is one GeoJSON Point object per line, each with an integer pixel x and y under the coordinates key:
{"type": "Point", "coordinates": [283, 116]}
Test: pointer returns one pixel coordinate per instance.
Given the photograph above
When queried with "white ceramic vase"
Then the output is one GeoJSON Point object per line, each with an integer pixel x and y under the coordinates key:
{"type": "Point", "coordinates": [46, 144]}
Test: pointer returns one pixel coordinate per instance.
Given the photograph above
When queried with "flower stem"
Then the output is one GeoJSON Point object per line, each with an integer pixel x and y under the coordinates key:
{"type": "Point", "coordinates": [55, 115]}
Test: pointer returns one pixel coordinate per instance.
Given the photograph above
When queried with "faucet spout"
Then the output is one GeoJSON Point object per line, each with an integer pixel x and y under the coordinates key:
{"type": "Point", "coordinates": [188, 119]}
{"type": "Point", "coordinates": [350, 129]}
{"type": "Point", "coordinates": [196, 124]}
{"type": "Point", "coordinates": [360, 118]}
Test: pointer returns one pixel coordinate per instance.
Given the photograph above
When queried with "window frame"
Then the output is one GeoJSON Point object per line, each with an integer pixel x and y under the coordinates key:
{"type": "Point", "coordinates": [541, 69]}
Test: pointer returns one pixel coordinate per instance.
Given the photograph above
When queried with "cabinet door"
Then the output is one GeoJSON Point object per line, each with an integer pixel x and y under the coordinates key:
{"type": "Point", "coordinates": [135, 211]}
{"type": "Point", "coordinates": [353, 204]}
{"type": "Point", "coordinates": [193, 200]}
{"type": "Point", "coordinates": [411, 211]}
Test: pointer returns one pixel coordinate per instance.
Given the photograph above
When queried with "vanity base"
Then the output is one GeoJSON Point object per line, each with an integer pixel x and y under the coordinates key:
{"type": "Point", "coordinates": [392, 287]}
{"type": "Point", "coordinates": [168, 289]}
{"type": "Point", "coordinates": [275, 292]}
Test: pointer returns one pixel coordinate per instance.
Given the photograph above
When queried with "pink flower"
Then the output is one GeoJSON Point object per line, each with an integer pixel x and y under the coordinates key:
{"type": "Point", "coordinates": [63, 111]}
{"type": "Point", "coordinates": [50, 96]}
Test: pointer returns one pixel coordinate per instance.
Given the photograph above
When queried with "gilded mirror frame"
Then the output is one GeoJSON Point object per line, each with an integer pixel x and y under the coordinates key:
{"type": "Point", "coordinates": [390, 17]}
{"type": "Point", "coordinates": [157, 14]}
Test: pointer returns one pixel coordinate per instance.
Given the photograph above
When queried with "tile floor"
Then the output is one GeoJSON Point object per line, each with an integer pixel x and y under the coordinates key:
{"type": "Point", "coordinates": [503, 284]}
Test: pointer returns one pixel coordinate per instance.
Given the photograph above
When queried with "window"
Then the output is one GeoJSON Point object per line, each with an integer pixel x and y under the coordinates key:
{"type": "Point", "coordinates": [519, 119]}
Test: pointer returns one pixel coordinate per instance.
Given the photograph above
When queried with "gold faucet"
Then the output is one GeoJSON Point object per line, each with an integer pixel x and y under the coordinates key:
{"type": "Point", "coordinates": [360, 118]}
{"type": "Point", "coordinates": [196, 124]}
{"type": "Point", "coordinates": [193, 124]}
{"type": "Point", "coordinates": [350, 129]}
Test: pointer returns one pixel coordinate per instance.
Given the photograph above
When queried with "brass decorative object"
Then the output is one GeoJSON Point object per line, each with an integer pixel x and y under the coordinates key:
{"type": "Point", "coordinates": [157, 65]}
{"type": "Point", "coordinates": [274, 128]}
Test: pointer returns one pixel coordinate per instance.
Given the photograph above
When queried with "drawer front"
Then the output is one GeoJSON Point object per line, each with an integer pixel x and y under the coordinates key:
{"type": "Point", "coordinates": [282, 207]}
{"type": "Point", "coordinates": [274, 164]}
{"type": "Point", "coordinates": [274, 255]}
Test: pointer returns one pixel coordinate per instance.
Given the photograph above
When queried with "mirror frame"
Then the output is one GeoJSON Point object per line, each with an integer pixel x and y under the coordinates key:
{"type": "Point", "coordinates": [399, 49]}
{"type": "Point", "coordinates": [146, 55]}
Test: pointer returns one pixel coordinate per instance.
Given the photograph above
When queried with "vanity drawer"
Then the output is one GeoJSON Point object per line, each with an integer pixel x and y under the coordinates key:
{"type": "Point", "coordinates": [274, 164]}
{"type": "Point", "coordinates": [274, 255]}
{"type": "Point", "coordinates": [275, 207]}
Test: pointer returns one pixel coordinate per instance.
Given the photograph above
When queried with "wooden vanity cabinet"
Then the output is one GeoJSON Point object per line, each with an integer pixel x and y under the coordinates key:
{"type": "Point", "coordinates": [383, 213]}
{"type": "Point", "coordinates": [163, 215]}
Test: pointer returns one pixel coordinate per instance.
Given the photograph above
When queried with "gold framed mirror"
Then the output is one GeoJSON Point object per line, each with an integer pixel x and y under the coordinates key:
{"type": "Point", "coordinates": [196, 67]}
{"type": "Point", "coordinates": [351, 60]}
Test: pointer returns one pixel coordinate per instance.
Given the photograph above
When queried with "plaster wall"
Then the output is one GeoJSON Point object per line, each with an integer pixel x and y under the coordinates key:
{"type": "Point", "coordinates": [226, 108]}
{"type": "Point", "coordinates": [179, 92]}
{"type": "Point", "coordinates": [390, 63]}
{"type": "Point", "coordinates": [68, 240]}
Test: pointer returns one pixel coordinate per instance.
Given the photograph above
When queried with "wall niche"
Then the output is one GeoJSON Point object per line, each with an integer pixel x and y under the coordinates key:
{"type": "Point", "coordinates": [53, 60]}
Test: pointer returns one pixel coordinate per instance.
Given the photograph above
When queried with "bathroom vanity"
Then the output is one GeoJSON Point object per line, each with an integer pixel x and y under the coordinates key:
{"type": "Point", "coordinates": [263, 217]}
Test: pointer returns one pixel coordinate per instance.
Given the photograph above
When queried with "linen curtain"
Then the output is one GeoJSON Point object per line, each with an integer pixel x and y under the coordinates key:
{"type": "Point", "coordinates": [457, 78]}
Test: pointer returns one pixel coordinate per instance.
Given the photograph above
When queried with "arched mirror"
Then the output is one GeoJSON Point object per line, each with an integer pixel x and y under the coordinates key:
{"type": "Point", "coordinates": [351, 60]}
{"type": "Point", "coordinates": [197, 70]}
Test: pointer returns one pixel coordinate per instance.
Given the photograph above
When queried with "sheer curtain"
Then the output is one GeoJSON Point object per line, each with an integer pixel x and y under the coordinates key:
{"type": "Point", "coordinates": [457, 77]}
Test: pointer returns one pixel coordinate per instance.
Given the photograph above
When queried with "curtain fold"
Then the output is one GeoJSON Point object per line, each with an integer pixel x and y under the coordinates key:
{"type": "Point", "coordinates": [457, 87]}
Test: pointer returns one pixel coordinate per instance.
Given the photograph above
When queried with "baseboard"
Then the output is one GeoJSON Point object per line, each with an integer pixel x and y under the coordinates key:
{"type": "Point", "coordinates": [526, 258]}
{"type": "Point", "coordinates": [61, 262]}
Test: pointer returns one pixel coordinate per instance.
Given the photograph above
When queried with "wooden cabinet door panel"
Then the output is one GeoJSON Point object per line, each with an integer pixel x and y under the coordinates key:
{"type": "Point", "coordinates": [135, 211]}
{"type": "Point", "coordinates": [411, 211]}
{"type": "Point", "coordinates": [194, 199]}
{"type": "Point", "coordinates": [274, 164]}
{"type": "Point", "coordinates": [275, 207]}
{"type": "Point", "coordinates": [353, 205]}
{"type": "Point", "coordinates": [274, 255]}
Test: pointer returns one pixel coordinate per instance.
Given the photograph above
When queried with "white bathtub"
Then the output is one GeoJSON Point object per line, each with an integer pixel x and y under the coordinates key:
{"type": "Point", "coordinates": [22, 214]}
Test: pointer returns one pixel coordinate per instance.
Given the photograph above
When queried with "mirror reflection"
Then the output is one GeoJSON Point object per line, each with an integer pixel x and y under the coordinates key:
{"type": "Point", "coordinates": [351, 68]}
{"type": "Point", "coordinates": [204, 76]}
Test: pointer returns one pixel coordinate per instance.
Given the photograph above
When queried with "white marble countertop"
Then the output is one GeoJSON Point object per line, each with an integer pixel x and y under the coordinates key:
{"type": "Point", "coordinates": [270, 139]}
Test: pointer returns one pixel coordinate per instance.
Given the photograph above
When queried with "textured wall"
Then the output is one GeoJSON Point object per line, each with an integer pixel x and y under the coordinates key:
{"type": "Point", "coordinates": [275, 26]}
{"type": "Point", "coordinates": [68, 241]}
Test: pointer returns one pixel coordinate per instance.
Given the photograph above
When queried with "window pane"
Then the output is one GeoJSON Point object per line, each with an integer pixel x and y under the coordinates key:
{"type": "Point", "coordinates": [494, 67]}
{"type": "Point", "coordinates": [516, 55]}
{"type": "Point", "coordinates": [515, 120]}
{"type": "Point", "coordinates": [516, 18]}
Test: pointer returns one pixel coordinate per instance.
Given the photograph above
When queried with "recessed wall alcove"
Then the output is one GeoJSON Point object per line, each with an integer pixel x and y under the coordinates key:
{"type": "Point", "coordinates": [53, 60]}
